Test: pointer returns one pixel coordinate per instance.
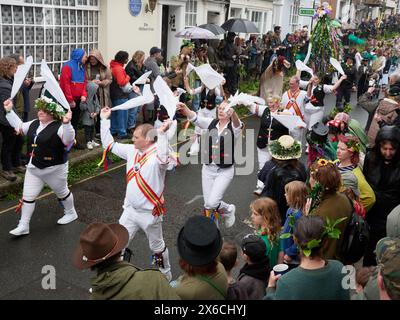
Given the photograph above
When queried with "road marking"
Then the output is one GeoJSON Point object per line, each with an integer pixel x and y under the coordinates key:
{"type": "Point", "coordinates": [95, 176]}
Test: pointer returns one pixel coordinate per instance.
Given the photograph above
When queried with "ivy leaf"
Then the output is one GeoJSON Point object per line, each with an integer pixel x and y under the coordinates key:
{"type": "Point", "coordinates": [339, 221]}
{"type": "Point", "coordinates": [335, 234]}
{"type": "Point", "coordinates": [307, 252]}
{"type": "Point", "coordinates": [314, 243]}
{"type": "Point", "coordinates": [292, 220]}
{"type": "Point", "coordinates": [285, 235]}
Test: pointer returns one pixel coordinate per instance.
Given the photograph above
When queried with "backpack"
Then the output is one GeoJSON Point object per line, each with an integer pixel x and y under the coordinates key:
{"type": "Point", "coordinates": [355, 238]}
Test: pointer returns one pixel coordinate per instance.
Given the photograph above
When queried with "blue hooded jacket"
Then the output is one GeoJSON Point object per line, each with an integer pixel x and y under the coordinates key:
{"type": "Point", "coordinates": [77, 68]}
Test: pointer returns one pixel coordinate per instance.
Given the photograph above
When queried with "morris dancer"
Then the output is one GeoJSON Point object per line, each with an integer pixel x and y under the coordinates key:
{"type": "Point", "coordinates": [48, 139]}
{"type": "Point", "coordinates": [147, 163]}
{"type": "Point", "coordinates": [218, 169]}
{"type": "Point", "coordinates": [295, 100]}
{"type": "Point", "coordinates": [270, 129]}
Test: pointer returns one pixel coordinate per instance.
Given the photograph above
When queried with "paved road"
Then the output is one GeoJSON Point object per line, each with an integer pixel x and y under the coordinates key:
{"type": "Point", "coordinates": [100, 199]}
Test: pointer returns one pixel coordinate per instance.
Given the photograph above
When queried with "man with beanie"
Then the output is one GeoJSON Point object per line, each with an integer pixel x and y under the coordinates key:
{"type": "Point", "coordinates": [254, 275]}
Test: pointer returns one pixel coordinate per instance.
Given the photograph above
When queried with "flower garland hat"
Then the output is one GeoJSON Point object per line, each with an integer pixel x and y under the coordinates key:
{"type": "Point", "coordinates": [285, 148]}
{"type": "Point", "coordinates": [51, 107]}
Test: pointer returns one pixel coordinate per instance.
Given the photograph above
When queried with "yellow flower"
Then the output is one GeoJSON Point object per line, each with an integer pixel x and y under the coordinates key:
{"type": "Point", "coordinates": [322, 162]}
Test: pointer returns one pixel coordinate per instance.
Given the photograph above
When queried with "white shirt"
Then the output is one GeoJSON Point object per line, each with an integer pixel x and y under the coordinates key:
{"type": "Point", "coordinates": [66, 131]}
{"type": "Point", "coordinates": [301, 100]}
{"type": "Point", "coordinates": [204, 123]}
{"type": "Point", "coordinates": [153, 171]}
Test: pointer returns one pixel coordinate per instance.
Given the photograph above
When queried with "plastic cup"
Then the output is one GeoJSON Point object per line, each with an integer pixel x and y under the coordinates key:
{"type": "Point", "coordinates": [281, 269]}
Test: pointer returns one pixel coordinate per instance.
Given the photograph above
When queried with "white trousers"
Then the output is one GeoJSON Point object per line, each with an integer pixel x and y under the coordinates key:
{"type": "Point", "coordinates": [134, 219]}
{"type": "Point", "coordinates": [35, 179]}
{"type": "Point", "coordinates": [263, 156]}
{"type": "Point", "coordinates": [215, 181]}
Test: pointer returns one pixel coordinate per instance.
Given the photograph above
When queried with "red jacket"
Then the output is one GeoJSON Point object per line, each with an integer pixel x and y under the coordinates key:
{"type": "Point", "coordinates": [72, 90]}
{"type": "Point", "coordinates": [119, 73]}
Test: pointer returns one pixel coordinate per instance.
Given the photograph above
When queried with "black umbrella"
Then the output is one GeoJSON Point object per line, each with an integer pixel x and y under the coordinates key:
{"type": "Point", "coordinates": [240, 26]}
{"type": "Point", "coordinates": [216, 29]}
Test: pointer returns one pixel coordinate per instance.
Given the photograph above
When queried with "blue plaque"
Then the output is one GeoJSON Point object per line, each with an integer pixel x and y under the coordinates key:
{"type": "Point", "coordinates": [135, 6]}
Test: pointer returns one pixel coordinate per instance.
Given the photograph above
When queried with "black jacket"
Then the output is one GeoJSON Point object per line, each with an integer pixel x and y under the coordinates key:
{"type": "Point", "coordinates": [133, 71]}
{"type": "Point", "coordinates": [5, 93]}
{"type": "Point", "coordinates": [383, 178]}
{"type": "Point", "coordinates": [278, 177]}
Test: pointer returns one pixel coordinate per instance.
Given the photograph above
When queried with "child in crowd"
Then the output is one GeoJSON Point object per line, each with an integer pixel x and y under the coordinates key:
{"type": "Point", "coordinates": [228, 258]}
{"type": "Point", "coordinates": [90, 110]}
{"type": "Point", "coordinates": [253, 277]}
{"type": "Point", "coordinates": [265, 218]}
{"type": "Point", "coordinates": [296, 197]}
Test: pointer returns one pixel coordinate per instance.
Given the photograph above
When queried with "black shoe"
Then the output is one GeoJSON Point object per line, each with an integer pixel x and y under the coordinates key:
{"type": "Point", "coordinates": [9, 175]}
{"type": "Point", "coordinates": [19, 169]}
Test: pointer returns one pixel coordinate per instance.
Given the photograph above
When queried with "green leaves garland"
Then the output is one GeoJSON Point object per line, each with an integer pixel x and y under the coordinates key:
{"type": "Point", "coordinates": [276, 148]}
{"type": "Point", "coordinates": [325, 44]}
{"type": "Point", "coordinates": [49, 106]}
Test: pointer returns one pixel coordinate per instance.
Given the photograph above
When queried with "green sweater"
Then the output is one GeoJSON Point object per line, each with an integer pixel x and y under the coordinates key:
{"type": "Point", "coordinates": [123, 281]}
{"type": "Point", "coordinates": [319, 284]}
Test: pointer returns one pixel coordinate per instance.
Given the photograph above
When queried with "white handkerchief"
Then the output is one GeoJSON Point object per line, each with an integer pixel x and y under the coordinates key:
{"type": "Point", "coordinates": [20, 76]}
{"type": "Point", "coordinates": [142, 79]}
{"type": "Point", "coordinates": [166, 96]}
{"type": "Point", "coordinates": [52, 86]}
{"type": "Point", "coordinates": [145, 98]}
{"type": "Point", "coordinates": [302, 67]}
{"type": "Point", "coordinates": [209, 76]}
{"type": "Point", "coordinates": [336, 65]}
{"type": "Point", "coordinates": [289, 121]}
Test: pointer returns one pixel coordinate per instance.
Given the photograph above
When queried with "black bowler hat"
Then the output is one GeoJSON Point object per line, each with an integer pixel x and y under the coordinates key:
{"type": "Point", "coordinates": [319, 132]}
{"type": "Point", "coordinates": [199, 241]}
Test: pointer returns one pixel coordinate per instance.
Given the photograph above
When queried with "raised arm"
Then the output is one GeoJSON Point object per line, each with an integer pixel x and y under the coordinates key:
{"type": "Point", "coordinates": [107, 140]}
{"type": "Point", "coordinates": [202, 122]}
{"type": "Point", "coordinates": [66, 132]}
{"type": "Point", "coordinates": [337, 84]}
{"type": "Point", "coordinates": [14, 120]}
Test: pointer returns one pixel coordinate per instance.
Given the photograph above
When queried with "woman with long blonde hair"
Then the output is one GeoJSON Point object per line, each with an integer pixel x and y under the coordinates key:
{"type": "Point", "coordinates": [266, 219]}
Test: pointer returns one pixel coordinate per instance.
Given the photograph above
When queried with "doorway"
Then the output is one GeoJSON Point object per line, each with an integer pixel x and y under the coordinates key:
{"type": "Point", "coordinates": [164, 33]}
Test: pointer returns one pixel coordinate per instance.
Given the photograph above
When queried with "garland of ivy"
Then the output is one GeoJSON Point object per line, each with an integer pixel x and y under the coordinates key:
{"type": "Point", "coordinates": [325, 43]}
{"type": "Point", "coordinates": [276, 148]}
{"type": "Point", "coordinates": [49, 106]}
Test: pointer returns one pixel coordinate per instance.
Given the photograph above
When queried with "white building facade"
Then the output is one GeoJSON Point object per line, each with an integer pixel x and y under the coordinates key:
{"type": "Point", "coordinates": [48, 29]}
{"type": "Point", "coordinates": [51, 29]}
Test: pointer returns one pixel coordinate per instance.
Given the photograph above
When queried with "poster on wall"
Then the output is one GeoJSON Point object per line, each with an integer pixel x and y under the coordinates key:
{"type": "Point", "coordinates": [135, 6]}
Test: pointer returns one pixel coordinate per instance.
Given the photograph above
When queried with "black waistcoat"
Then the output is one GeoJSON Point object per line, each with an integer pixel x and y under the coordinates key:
{"type": "Point", "coordinates": [48, 149]}
{"type": "Point", "coordinates": [277, 129]}
{"type": "Point", "coordinates": [221, 148]}
{"type": "Point", "coordinates": [318, 96]}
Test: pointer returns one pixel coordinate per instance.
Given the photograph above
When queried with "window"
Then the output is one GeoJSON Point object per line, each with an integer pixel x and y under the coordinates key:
{"type": "Point", "coordinates": [48, 29]}
{"type": "Point", "coordinates": [294, 15]}
{"type": "Point", "coordinates": [256, 17]}
{"type": "Point", "coordinates": [191, 13]}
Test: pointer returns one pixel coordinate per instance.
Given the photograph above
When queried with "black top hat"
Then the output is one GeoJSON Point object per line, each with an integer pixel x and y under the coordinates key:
{"type": "Point", "coordinates": [199, 241]}
{"type": "Point", "coordinates": [254, 247]}
{"type": "Point", "coordinates": [319, 132]}
{"type": "Point", "coordinates": [394, 90]}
